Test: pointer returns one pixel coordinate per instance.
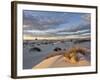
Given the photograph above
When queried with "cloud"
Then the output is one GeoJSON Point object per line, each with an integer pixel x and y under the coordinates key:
{"type": "Point", "coordinates": [48, 23]}
{"type": "Point", "coordinates": [74, 33]}
{"type": "Point", "coordinates": [43, 20]}
{"type": "Point", "coordinates": [45, 33]}
{"type": "Point", "coordinates": [87, 17]}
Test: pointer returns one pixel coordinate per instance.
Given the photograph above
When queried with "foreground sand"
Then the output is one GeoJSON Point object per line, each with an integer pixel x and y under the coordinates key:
{"type": "Point", "coordinates": [60, 61]}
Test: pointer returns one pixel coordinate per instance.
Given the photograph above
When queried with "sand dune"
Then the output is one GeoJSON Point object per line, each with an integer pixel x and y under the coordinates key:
{"type": "Point", "coordinates": [33, 57]}
{"type": "Point", "coordinates": [60, 61]}
{"type": "Point", "coordinates": [75, 56]}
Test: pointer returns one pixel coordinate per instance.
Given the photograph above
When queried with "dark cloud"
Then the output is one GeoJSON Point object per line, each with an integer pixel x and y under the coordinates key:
{"type": "Point", "coordinates": [42, 23]}
{"type": "Point", "coordinates": [42, 20]}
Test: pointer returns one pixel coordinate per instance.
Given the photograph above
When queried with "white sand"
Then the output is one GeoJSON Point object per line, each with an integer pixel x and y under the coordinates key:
{"type": "Point", "coordinates": [59, 61]}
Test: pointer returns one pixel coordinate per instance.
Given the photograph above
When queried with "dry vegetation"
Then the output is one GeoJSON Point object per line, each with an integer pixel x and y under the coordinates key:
{"type": "Point", "coordinates": [71, 54]}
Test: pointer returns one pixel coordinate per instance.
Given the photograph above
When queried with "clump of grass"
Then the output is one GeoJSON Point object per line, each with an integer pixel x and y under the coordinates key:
{"type": "Point", "coordinates": [78, 50]}
{"type": "Point", "coordinates": [71, 54]}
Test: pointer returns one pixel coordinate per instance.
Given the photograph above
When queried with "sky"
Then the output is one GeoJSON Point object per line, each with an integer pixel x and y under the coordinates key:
{"type": "Point", "coordinates": [50, 24]}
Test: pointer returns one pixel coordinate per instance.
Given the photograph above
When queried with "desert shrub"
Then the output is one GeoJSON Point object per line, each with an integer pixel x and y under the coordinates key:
{"type": "Point", "coordinates": [38, 44]}
{"type": "Point", "coordinates": [73, 53]}
{"type": "Point", "coordinates": [78, 50]}
{"type": "Point", "coordinates": [57, 49]}
{"type": "Point", "coordinates": [35, 49]}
